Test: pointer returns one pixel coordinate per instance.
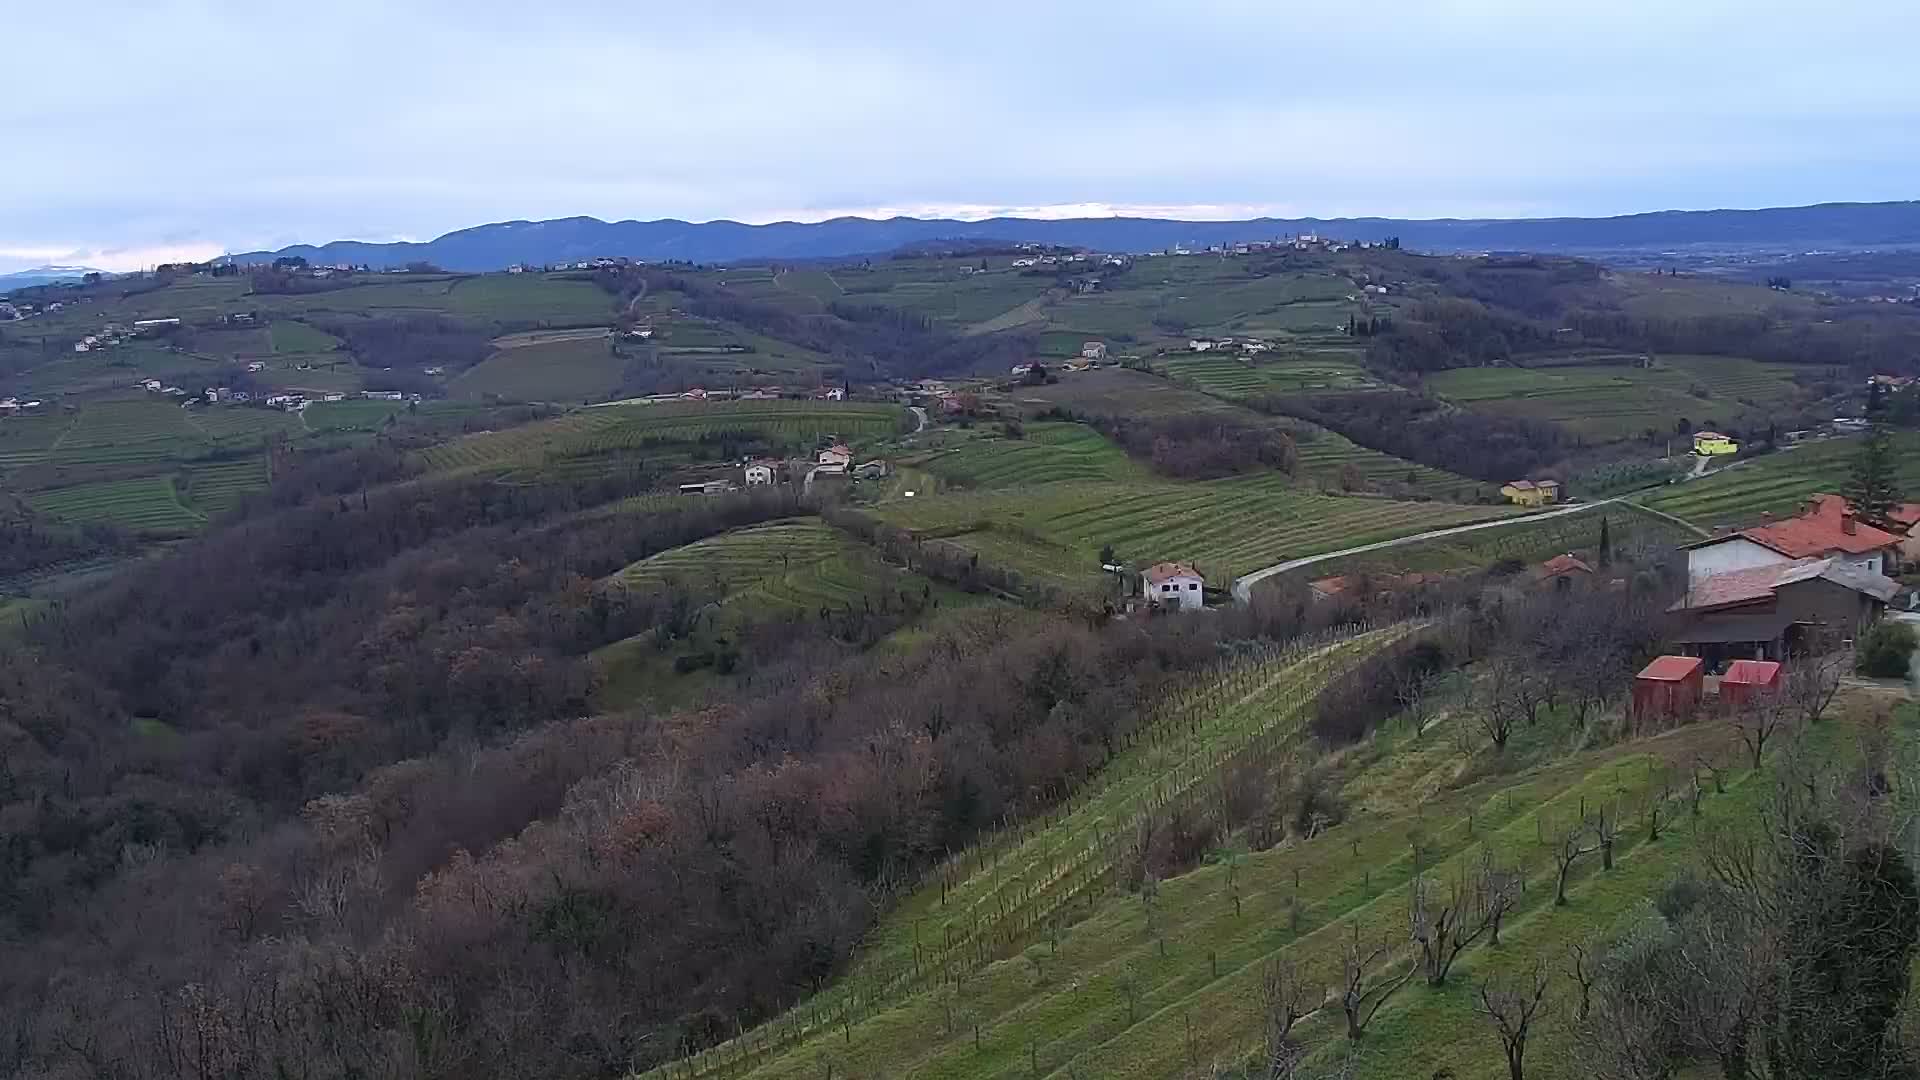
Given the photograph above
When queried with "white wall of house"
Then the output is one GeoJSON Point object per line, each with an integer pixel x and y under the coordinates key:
{"type": "Point", "coordinates": [1183, 589]}
{"type": "Point", "coordinates": [758, 475]}
{"type": "Point", "coordinates": [1730, 554]}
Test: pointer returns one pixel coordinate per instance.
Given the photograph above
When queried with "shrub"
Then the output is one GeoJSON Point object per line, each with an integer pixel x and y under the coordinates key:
{"type": "Point", "coordinates": [1885, 651]}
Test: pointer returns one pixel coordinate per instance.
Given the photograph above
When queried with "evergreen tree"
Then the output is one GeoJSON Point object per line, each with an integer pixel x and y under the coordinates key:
{"type": "Point", "coordinates": [1872, 488]}
{"type": "Point", "coordinates": [1606, 544]}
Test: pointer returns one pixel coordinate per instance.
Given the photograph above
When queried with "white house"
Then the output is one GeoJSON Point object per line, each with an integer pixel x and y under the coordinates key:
{"type": "Point", "coordinates": [1174, 583]}
{"type": "Point", "coordinates": [759, 473]}
{"type": "Point", "coordinates": [837, 454]}
{"type": "Point", "coordinates": [1826, 529]}
{"type": "Point", "coordinates": [1094, 350]}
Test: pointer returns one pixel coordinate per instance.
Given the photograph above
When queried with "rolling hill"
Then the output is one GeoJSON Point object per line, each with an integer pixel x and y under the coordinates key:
{"type": "Point", "coordinates": [501, 244]}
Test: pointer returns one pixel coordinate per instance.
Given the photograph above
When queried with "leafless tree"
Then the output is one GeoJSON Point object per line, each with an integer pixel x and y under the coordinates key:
{"type": "Point", "coordinates": [1361, 996]}
{"type": "Point", "coordinates": [1577, 842]}
{"type": "Point", "coordinates": [1512, 1009]}
{"type": "Point", "coordinates": [1413, 692]}
{"type": "Point", "coordinates": [1476, 902]}
{"type": "Point", "coordinates": [1762, 716]}
{"type": "Point", "coordinates": [1606, 832]}
{"type": "Point", "coordinates": [1285, 997]}
{"type": "Point", "coordinates": [1503, 886]}
{"type": "Point", "coordinates": [1579, 966]}
{"type": "Point", "coordinates": [1811, 685]}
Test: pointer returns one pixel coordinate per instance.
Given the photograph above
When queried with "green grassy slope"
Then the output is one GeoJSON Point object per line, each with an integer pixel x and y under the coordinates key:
{"type": "Point", "coordinates": [1777, 483]}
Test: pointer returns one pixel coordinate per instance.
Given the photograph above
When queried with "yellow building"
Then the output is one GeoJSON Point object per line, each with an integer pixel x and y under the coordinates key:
{"type": "Point", "coordinates": [1531, 492]}
{"type": "Point", "coordinates": [1708, 443]}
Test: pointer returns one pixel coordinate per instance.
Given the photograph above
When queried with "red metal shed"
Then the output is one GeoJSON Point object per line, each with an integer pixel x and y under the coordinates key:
{"type": "Point", "coordinates": [1669, 687]}
{"type": "Point", "coordinates": [1746, 678]}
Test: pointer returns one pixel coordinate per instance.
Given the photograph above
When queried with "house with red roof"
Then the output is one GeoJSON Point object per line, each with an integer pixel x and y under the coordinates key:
{"type": "Point", "coordinates": [1768, 612]}
{"type": "Point", "coordinates": [1562, 572]}
{"type": "Point", "coordinates": [1826, 529]}
{"type": "Point", "coordinates": [1174, 583]}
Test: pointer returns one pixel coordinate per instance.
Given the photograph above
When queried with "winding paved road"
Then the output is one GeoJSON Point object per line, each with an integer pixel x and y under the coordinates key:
{"type": "Point", "coordinates": [1243, 587]}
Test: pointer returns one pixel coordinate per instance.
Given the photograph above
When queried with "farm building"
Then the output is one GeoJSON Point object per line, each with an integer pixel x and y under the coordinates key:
{"type": "Point", "coordinates": [837, 454]}
{"type": "Point", "coordinates": [707, 487]}
{"type": "Point", "coordinates": [758, 473]}
{"type": "Point", "coordinates": [1093, 350]}
{"type": "Point", "coordinates": [1174, 583]}
{"type": "Point", "coordinates": [1826, 529]}
{"type": "Point", "coordinates": [1669, 687]}
{"type": "Point", "coordinates": [1767, 612]}
{"type": "Point", "coordinates": [1709, 443]}
{"type": "Point", "coordinates": [1562, 572]}
{"type": "Point", "coordinates": [1746, 679]}
{"type": "Point", "coordinates": [1531, 492]}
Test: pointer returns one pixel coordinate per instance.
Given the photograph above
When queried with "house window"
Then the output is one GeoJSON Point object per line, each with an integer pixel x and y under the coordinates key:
{"type": "Point", "coordinates": [1193, 586]}
{"type": "Point", "coordinates": [1166, 588]}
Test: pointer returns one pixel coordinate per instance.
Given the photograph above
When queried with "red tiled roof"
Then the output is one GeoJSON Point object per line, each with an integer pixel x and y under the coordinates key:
{"type": "Point", "coordinates": [1160, 572]}
{"type": "Point", "coordinates": [1907, 514]}
{"type": "Point", "coordinates": [1751, 672]}
{"type": "Point", "coordinates": [1563, 564]}
{"type": "Point", "coordinates": [1820, 531]}
{"type": "Point", "coordinates": [1732, 587]}
{"type": "Point", "coordinates": [1330, 586]}
{"type": "Point", "coordinates": [1670, 668]}
{"type": "Point", "coordinates": [1521, 485]}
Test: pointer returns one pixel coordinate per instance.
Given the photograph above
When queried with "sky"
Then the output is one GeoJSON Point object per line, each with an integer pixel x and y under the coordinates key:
{"type": "Point", "coordinates": [138, 132]}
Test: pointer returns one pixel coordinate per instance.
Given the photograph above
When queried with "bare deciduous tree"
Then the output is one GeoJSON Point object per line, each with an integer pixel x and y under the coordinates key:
{"type": "Point", "coordinates": [1512, 1008]}
{"type": "Point", "coordinates": [1285, 997]}
{"type": "Point", "coordinates": [1811, 684]}
{"type": "Point", "coordinates": [1574, 844]}
{"type": "Point", "coordinates": [1762, 716]}
{"type": "Point", "coordinates": [1360, 995]}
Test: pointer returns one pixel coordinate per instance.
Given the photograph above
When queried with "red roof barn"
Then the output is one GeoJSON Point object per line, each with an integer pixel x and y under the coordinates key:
{"type": "Point", "coordinates": [1669, 687]}
{"type": "Point", "coordinates": [1746, 679]}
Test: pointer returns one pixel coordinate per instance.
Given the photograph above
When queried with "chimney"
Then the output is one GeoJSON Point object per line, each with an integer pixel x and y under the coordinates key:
{"type": "Point", "coordinates": [1766, 517]}
{"type": "Point", "coordinates": [1847, 523]}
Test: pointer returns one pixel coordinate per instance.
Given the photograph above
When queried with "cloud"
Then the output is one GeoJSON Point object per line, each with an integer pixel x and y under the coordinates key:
{"type": "Point", "coordinates": [369, 120]}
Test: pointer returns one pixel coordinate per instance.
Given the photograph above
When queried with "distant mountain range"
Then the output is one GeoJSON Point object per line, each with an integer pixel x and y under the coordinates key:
{"type": "Point", "coordinates": [41, 275]}
{"type": "Point", "coordinates": [1827, 227]}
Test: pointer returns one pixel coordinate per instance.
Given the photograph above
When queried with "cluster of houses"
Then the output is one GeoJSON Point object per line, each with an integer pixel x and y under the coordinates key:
{"type": "Point", "coordinates": [115, 334]}
{"type": "Point", "coordinates": [1819, 576]}
{"type": "Point", "coordinates": [751, 393]}
{"type": "Point", "coordinates": [1246, 346]}
{"type": "Point", "coordinates": [833, 460]}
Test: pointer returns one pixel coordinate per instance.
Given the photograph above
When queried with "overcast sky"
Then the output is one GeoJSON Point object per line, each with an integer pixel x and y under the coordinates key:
{"type": "Point", "coordinates": [132, 132]}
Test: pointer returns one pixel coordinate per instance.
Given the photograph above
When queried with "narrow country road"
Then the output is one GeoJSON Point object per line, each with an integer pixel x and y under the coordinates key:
{"type": "Point", "coordinates": [919, 414]}
{"type": "Point", "coordinates": [1243, 586]}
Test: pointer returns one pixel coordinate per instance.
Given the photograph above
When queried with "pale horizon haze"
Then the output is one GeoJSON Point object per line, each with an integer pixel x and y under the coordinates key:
{"type": "Point", "coordinates": [141, 132]}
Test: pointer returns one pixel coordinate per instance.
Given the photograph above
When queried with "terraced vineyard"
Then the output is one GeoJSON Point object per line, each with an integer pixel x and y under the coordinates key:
{"type": "Point", "coordinates": [235, 424]}
{"type": "Point", "coordinates": [1001, 894]}
{"type": "Point", "coordinates": [25, 440]}
{"type": "Point", "coordinates": [1227, 527]}
{"type": "Point", "coordinates": [149, 503]}
{"type": "Point", "coordinates": [738, 559]}
{"type": "Point", "coordinates": [1231, 377]}
{"type": "Point", "coordinates": [1777, 483]}
{"type": "Point", "coordinates": [1326, 454]}
{"type": "Point", "coordinates": [577, 370]}
{"type": "Point", "coordinates": [1622, 401]}
{"type": "Point", "coordinates": [1046, 453]}
{"type": "Point", "coordinates": [792, 424]}
{"type": "Point", "coordinates": [216, 487]}
{"type": "Point", "coordinates": [1131, 989]}
{"type": "Point", "coordinates": [127, 432]}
